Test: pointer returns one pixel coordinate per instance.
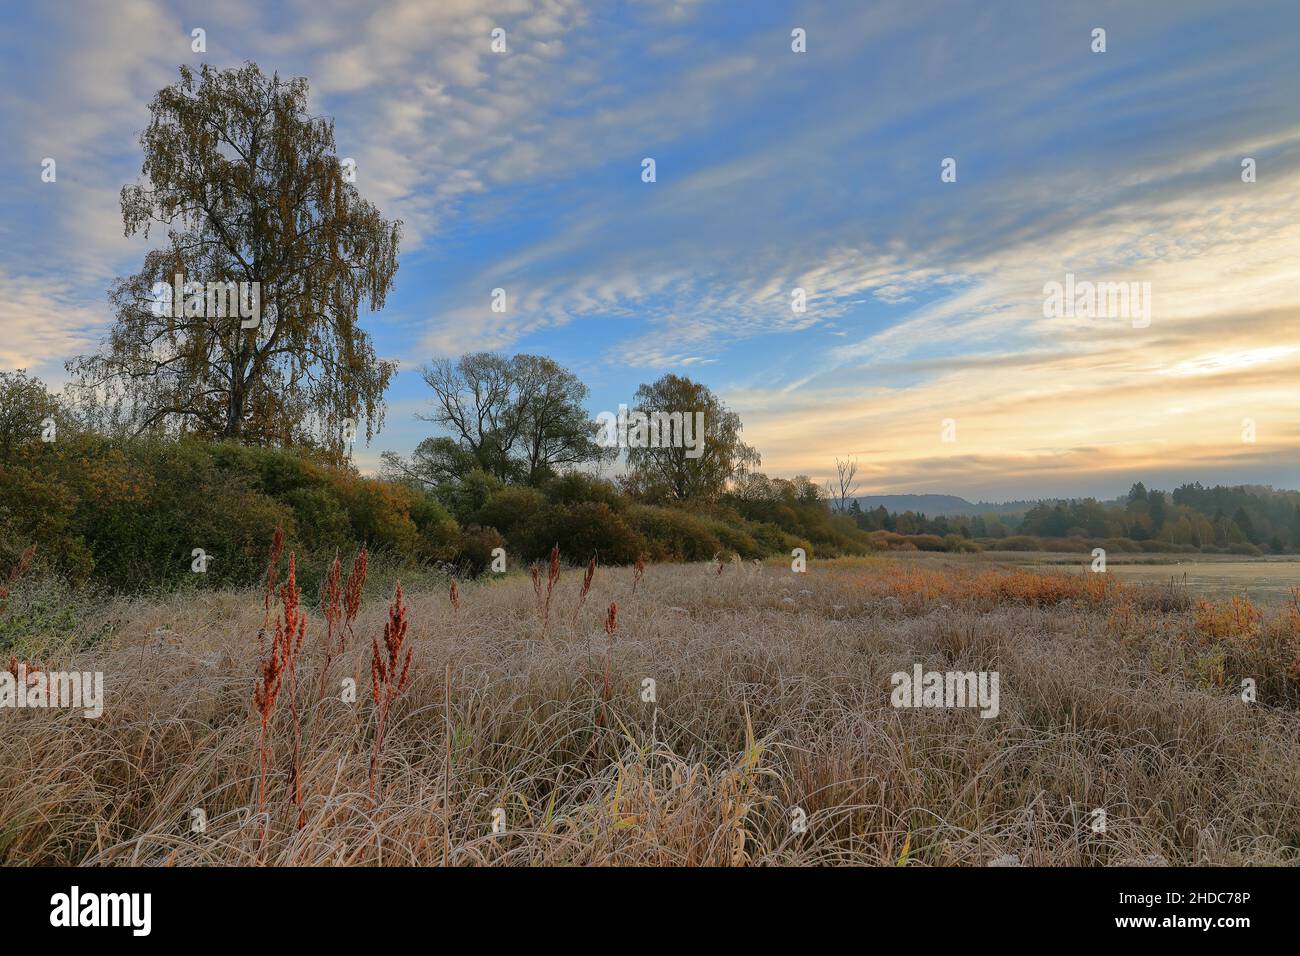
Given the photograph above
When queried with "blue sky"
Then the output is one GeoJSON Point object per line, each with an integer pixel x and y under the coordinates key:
{"type": "Point", "coordinates": [775, 170]}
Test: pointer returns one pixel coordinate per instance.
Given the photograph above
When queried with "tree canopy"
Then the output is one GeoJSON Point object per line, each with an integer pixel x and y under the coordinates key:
{"type": "Point", "coordinates": [249, 190]}
{"type": "Point", "coordinates": [518, 419]}
{"type": "Point", "coordinates": [672, 471]}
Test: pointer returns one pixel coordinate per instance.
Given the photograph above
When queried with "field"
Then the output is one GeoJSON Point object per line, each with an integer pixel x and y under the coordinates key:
{"type": "Point", "coordinates": [1266, 581]}
{"type": "Point", "coordinates": [524, 735]}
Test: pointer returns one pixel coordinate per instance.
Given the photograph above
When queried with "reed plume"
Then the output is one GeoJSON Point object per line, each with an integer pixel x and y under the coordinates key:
{"type": "Point", "coordinates": [611, 625]}
{"type": "Point", "coordinates": [331, 605]}
{"type": "Point", "coordinates": [586, 587]}
{"type": "Point", "coordinates": [386, 680]}
{"type": "Point", "coordinates": [552, 575]}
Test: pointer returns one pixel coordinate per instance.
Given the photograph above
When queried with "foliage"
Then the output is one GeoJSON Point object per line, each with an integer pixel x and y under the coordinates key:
{"type": "Point", "coordinates": [672, 471]}
{"type": "Point", "coordinates": [254, 201]}
{"type": "Point", "coordinates": [517, 419]}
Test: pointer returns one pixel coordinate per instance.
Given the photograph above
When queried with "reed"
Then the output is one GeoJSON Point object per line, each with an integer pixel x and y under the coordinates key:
{"type": "Point", "coordinates": [543, 598]}
{"type": "Point", "coordinates": [587, 577]}
{"type": "Point", "coordinates": [390, 670]}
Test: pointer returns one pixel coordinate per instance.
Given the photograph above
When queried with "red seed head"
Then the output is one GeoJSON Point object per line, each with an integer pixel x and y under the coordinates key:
{"type": "Point", "coordinates": [352, 591]}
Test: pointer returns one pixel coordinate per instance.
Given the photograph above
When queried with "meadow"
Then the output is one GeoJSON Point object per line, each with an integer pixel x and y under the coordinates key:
{"type": "Point", "coordinates": [697, 714]}
{"type": "Point", "coordinates": [1264, 580]}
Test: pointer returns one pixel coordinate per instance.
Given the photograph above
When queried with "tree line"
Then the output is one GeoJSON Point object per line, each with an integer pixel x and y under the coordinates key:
{"type": "Point", "coordinates": [1245, 519]}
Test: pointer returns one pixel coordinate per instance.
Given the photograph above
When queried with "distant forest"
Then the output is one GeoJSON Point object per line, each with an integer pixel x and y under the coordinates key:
{"type": "Point", "coordinates": [1239, 519]}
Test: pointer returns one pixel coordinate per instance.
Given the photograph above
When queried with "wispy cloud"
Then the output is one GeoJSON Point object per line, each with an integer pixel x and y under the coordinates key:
{"type": "Point", "coordinates": [775, 171]}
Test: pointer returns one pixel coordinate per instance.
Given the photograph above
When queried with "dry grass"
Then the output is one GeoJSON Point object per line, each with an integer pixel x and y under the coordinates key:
{"type": "Point", "coordinates": [772, 694]}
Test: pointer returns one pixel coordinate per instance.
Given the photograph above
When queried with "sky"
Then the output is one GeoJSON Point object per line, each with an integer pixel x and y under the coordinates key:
{"type": "Point", "coordinates": [925, 351]}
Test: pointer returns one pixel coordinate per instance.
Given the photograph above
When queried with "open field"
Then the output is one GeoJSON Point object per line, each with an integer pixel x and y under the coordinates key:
{"type": "Point", "coordinates": [1264, 581]}
{"type": "Point", "coordinates": [1267, 580]}
{"type": "Point", "coordinates": [772, 696]}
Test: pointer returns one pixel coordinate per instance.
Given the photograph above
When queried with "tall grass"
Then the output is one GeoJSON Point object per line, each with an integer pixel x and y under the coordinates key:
{"type": "Point", "coordinates": [772, 695]}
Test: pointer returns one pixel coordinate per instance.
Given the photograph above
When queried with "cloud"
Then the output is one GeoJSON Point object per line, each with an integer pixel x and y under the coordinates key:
{"type": "Point", "coordinates": [43, 324]}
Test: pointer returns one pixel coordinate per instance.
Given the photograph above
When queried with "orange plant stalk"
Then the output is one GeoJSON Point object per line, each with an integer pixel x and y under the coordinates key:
{"type": "Point", "coordinates": [331, 605]}
{"type": "Point", "coordinates": [586, 587]}
{"type": "Point", "coordinates": [552, 575]}
{"type": "Point", "coordinates": [340, 620]}
{"type": "Point", "coordinates": [611, 625]}
{"type": "Point", "coordinates": [289, 634]}
{"type": "Point", "coordinates": [386, 680]}
{"type": "Point", "coordinates": [455, 599]}
{"type": "Point", "coordinates": [23, 670]}
{"type": "Point", "coordinates": [352, 596]}
{"type": "Point", "coordinates": [265, 693]}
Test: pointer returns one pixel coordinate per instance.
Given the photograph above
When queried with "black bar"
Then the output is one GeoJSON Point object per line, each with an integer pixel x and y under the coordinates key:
{"type": "Point", "coordinates": [219, 905]}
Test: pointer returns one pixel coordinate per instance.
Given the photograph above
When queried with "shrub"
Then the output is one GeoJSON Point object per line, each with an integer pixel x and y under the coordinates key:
{"type": "Point", "coordinates": [1158, 547]}
{"type": "Point", "coordinates": [1019, 542]}
{"type": "Point", "coordinates": [467, 497]}
{"type": "Point", "coordinates": [510, 508]}
{"type": "Point", "coordinates": [1244, 547]}
{"type": "Point", "coordinates": [475, 546]}
{"type": "Point", "coordinates": [584, 530]}
{"type": "Point", "coordinates": [674, 535]}
{"type": "Point", "coordinates": [576, 487]}
{"type": "Point", "coordinates": [773, 540]}
{"type": "Point", "coordinates": [438, 530]}
{"type": "Point", "coordinates": [1120, 544]}
{"type": "Point", "coordinates": [380, 512]}
{"type": "Point", "coordinates": [323, 521]}
{"type": "Point", "coordinates": [735, 540]}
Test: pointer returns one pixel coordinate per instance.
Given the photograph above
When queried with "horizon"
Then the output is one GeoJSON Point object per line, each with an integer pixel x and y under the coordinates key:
{"type": "Point", "coordinates": [1118, 496]}
{"type": "Point", "coordinates": [775, 170]}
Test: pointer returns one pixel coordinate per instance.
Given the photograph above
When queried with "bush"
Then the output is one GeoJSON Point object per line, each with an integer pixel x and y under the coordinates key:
{"type": "Point", "coordinates": [735, 540]}
{"type": "Point", "coordinates": [956, 544]}
{"type": "Point", "coordinates": [440, 537]}
{"type": "Point", "coordinates": [576, 487]}
{"type": "Point", "coordinates": [1244, 547]}
{"type": "Point", "coordinates": [467, 497]}
{"type": "Point", "coordinates": [1019, 542]}
{"type": "Point", "coordinates": [130, 513]}
{"type": "Point", "coordinates": [510, 508]}
{"type": "Point", "coordinates": [475, 547]}
{"type": "Point", "coordinates": [773, 540]}
{"type": "Point", "coordinates": [674, 535]}
{"type": "Point", "coordinates": [1127, 545]}
{"type": "Point", "coordinates": [1158, 547]}
{"type": "Point", "coordinates": [581, 531]}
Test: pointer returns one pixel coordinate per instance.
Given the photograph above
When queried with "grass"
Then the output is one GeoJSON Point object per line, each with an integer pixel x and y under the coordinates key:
{"type": "Point", "coordinates": [770, 705]}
